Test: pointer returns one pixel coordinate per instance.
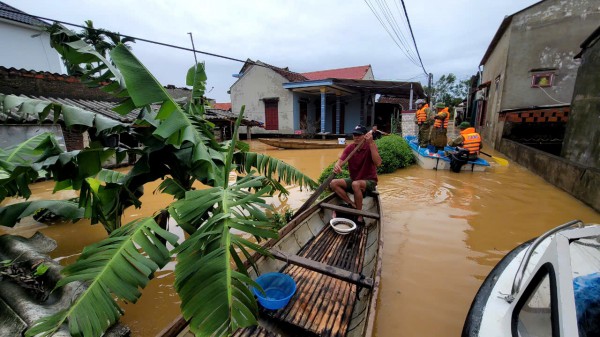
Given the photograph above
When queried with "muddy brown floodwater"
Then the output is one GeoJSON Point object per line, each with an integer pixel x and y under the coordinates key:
{"type": "Point", "coordinates": [443, 232]}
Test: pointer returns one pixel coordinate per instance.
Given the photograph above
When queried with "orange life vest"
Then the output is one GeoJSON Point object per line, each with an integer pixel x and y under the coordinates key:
{"type": "Point", "coordinates": [421, 114]}
{"type": "Point", "coordinates": [438, 122]}
{"type": "Point", "coordinates": [472, 140]}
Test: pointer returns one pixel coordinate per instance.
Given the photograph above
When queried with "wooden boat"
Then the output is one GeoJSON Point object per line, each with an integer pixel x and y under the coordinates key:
{"type": "Point", "coordinates": [337, 276]}
{"type": "Point", "coordinates": [549, 286]}
{"type": "Point", "coordinates": [293, 143]}
{"type": "Point", "coordinates": [438, 160]}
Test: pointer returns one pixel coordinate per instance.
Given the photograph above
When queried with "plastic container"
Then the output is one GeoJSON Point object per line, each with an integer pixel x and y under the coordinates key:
{"type": "Point", "coordinates": [278, 287]}
{"type": "Point", "coordinates": [342, 226]}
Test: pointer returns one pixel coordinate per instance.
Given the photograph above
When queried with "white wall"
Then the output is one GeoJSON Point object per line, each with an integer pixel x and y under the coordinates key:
{"type": "Point", "coordinates": [21, 51]}
{"type": "Point", "coordinates": [258, 83]}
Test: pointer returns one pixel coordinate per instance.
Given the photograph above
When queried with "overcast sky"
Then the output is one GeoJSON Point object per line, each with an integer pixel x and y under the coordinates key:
{"type": "Point", "coordinates": [304, 35]}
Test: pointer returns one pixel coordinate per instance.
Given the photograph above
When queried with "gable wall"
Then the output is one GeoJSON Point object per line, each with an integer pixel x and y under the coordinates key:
{"type": "Point", "coordinates": [22, 51]}
{"type": "Point", "coordinates": [259, 83]}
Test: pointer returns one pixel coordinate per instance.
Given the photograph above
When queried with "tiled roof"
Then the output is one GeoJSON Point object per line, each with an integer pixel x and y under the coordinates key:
{"type": "Point", "coordinates": [352, 73]}
{"type": "Point", "coordinates": [404, 102]}
{"type": "Point", "coordinates": [10, 13]}
{"type": "Point", "coordinates": [223, 106]}
{"type": "Point", "coordinates": [285, 72]}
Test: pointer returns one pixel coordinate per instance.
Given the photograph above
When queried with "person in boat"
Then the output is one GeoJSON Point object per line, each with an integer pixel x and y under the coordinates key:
{"type": "Point", "coordinates": [439, 133]}
{"type": "Point", "coordinates": [377, 133]}
{"type": "Point", "coordinates": [424, 120]}
{"type": "Point", "coordinates": [363, 169]}
{"type": "Point", "coordinates": [468, 140]}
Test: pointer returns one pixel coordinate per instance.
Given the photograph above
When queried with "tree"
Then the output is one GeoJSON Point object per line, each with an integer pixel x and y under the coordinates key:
{"type": "Point", "coordinates": [101, 39]}
{"type": "Point", "coordinates": [449, 90]}
{"type": "Point", "coordinates": [178, 146]}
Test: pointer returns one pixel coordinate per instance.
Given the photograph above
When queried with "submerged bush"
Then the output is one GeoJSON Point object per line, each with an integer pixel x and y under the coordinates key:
{"type": "Point", "coordinates": [394, 151]}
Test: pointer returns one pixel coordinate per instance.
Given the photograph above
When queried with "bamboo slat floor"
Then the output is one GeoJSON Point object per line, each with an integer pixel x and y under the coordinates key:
{"type": "Point", "coordinates": [254, 331]}
{"type": "Point", "coordinates": [322, 304]}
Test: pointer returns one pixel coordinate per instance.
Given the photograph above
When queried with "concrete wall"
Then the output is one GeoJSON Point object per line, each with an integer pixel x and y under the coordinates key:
{"type": "Point", "coordinates": [259, 83]}
{"type": "Point", "coordinates": [578, 180]}
{"type": "Point", "coordinates": [495, 67]}
{"type": "Point", "coordinates": [21, 50]}
{"type": "Point", "coordinates": [545, 36]}
{"type": "Point", "coordinates": [582, 136]}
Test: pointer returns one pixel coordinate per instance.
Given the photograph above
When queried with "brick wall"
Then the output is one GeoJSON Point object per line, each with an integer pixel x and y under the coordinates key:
{"type": "Point", "coordinates": [17, 82]}
{"type": "Point", "coordinates": [73, 139]}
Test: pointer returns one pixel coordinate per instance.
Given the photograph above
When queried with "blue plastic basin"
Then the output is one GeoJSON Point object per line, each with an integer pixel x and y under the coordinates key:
{"type": "Point", "coordinates": [278, 287]}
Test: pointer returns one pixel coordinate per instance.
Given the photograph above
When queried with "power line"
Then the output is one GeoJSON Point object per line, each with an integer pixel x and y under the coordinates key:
{"type": "Point", "coordinates": [413, 37]}
{"type": "Point", "coordinates": [397, 39]}
{"type": "Point", "coordinates": [152, 41]}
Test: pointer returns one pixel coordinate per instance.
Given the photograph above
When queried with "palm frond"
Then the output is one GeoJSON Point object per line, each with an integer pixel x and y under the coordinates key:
{"type": "Point", "coordinates": [275, 170]}
{"type": "Point", "coordinates": [112, 267]}
{"type": "Point", "coordinates": [215, 297]}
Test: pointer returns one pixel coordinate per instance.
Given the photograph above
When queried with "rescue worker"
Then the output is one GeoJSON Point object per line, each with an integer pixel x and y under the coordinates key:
{"type": "Point", "coordinates": [439, 133]}
{"type": "Point", "coordinates": [423, 118]}
{"type": "Point", "coordinates": [468, 139]}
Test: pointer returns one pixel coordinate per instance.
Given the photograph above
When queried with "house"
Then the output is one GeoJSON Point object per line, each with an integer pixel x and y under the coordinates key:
{"type": "Point", "coordinates": [327, 102]}
{"type": "Point", "coordinates": [582, 137]}
{"type": "Point", "coordinates": [34, 51]}
{"type": "Point", "coordinates": [526, 84]}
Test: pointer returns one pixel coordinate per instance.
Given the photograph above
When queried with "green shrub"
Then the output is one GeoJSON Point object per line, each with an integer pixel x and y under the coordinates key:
{"type": "Point", "coordinates": [329, 169]}
{"type": "Point", "coordinates": [394, 151]}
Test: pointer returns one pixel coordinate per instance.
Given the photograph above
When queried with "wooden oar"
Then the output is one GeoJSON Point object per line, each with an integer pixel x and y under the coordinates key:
{"type": "Point", "coordinates": [498, 160]}
{"type": "Point", "coordinates": [322, 187]}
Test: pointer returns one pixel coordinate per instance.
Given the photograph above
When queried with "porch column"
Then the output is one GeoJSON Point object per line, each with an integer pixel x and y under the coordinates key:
{"type": "Point", "coordinates": [361, 118]}
{"type": "Point", "coordinates": [323, 111]}
{"type": "Point", "coordinates": [337, 112]}
{"type": "Point", "coordinates": [249, 133]}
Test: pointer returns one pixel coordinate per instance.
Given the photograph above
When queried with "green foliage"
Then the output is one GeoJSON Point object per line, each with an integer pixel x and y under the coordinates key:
{"type": "Point", "coordinates": [281, 219]}
{"type": "Point", "coordinates": [112, 267]}
{"type": "Point", "coordinates": [329, 170]}
{"type": "Point", "coordinates": [178, 146]}
{"type": "Point", "coordinates": [449, 90]}
{"type": "Point", "coordinates": [395, 153]}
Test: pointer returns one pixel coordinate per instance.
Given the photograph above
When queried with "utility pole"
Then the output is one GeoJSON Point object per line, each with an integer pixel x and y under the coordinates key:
{"type": "Point", "coordinates": [430, 85]}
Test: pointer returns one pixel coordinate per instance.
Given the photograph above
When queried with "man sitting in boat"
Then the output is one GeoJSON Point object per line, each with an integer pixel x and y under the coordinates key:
{"type": "Point", "coordinates": [363, 169]}
{"type": "Point", "coordinates": [468, 140]}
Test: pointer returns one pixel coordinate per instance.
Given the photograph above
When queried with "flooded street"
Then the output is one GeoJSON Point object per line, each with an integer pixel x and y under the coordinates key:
{"type": "Point", "coordinates": [443, 232]}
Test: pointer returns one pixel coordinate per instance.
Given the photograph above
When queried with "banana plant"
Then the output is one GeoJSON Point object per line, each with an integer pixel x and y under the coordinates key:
{"type": "Point", "coordinates": [177, 145]}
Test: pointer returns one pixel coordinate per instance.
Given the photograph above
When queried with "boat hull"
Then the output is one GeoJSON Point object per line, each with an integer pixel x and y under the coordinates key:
{"type": "Point", "coordinates": [439, 161]}
{"type": "Point", "coordinates": [544, 287]}
{"type": "Point", "coordinates": [301, 144]}
{"type": "Point", "coordinates": [337, 275]}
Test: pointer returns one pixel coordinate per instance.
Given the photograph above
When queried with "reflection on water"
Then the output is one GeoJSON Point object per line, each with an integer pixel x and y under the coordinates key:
{"type": "Point", "coordinates": [443, 233]}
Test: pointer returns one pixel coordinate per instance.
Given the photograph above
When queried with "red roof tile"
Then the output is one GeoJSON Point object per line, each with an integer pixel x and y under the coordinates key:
{"type": "Point", "coordinates": [223, 106]}
{"type": "Point", "coordinates": [352, 73]}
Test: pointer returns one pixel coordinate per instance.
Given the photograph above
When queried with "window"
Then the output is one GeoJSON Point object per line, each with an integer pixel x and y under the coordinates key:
{"type": "Point", "coordinates": [535, 315]}
{"type": "Point", "coordinates": [542, 80]}
{"type": "Point", "coordinates": [271, 114]}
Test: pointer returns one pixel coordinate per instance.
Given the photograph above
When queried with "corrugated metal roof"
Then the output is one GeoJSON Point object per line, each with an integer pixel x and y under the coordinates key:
{"type": "Point", "coordinates": [10, 13]}
{"type": "Point", "coordinates": [100, 107]}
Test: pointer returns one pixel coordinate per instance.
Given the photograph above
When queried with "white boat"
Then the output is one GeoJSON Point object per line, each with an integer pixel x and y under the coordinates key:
{"type": "Point", "coordinates": [438, 160]}
{"type": "Point", "coordinates": [549, 286]}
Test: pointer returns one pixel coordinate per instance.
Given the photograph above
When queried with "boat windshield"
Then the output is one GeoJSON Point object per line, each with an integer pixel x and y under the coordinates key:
{"type": "Point", "coordinates": [585, 263]}
{"type": "Point", "coordinates": [535, 316]}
